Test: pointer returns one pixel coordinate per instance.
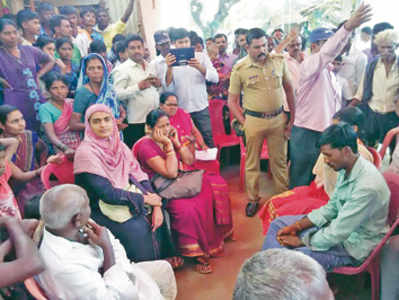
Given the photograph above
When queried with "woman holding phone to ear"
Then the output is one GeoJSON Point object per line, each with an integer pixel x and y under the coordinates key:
{"type": "Point", "coordinates": [202, 222]}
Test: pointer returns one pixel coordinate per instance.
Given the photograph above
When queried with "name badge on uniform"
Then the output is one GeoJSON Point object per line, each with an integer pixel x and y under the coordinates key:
{"type": "Point", "coordinates": [252, 80]}
{"type": "Point", "coordinates": [253, 77]}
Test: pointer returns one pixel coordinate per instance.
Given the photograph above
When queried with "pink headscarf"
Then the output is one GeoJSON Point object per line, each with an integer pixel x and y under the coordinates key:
{"type": "Point", "coordinates": [109, 158]}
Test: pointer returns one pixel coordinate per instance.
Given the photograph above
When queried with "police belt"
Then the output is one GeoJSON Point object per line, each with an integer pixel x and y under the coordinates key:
{"type": "Point", "coordinates": [268, 115]}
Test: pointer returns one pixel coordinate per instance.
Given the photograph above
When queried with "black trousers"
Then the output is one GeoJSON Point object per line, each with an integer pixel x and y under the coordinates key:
{"type": "Point", "coordinates": [303, 155]}
{"type": "Point", "coordinates": [202, 121]}
{"type": "Point", "coordinates": [377, 125]}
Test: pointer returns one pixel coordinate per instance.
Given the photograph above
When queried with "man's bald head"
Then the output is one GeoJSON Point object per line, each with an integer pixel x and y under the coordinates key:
{"type": "Point", "coordinates": [61, 203]}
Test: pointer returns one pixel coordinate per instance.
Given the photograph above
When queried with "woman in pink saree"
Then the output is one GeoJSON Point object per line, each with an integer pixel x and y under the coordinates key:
{"type": "Point", "coordinates": [201, 223]}
{"type": "Point", "coordinates": [56, 114]}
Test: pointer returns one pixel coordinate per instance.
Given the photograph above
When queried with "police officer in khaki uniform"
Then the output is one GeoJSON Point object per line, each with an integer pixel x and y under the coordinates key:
{"type": "Point", "coordinates": [263, 78]}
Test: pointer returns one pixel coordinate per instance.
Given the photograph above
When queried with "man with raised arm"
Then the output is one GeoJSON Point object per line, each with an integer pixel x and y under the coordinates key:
{"type": "Point", "coordinates": [317, 97]}
{"type": "Point", "coordinates": [108, 30]}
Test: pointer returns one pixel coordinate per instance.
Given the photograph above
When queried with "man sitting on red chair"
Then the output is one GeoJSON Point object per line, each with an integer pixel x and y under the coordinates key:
{"type": "Point", "coordinates": [346, 229]}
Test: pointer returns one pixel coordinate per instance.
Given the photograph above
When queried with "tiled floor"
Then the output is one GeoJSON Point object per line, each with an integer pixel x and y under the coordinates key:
{"type": "Point", "coordinates": [219, 285]}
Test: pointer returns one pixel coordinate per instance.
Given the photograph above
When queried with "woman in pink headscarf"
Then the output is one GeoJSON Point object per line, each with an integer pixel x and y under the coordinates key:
{"type": "Point", "coordinates": [121, 196]}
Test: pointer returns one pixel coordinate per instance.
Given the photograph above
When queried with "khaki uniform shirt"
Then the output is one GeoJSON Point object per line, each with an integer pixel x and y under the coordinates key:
{"type": "Point", "coordinates": [262, 85]}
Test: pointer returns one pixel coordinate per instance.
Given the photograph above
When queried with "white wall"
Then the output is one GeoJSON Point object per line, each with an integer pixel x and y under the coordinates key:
{"type": "Point", "coordinates": [150, 11]}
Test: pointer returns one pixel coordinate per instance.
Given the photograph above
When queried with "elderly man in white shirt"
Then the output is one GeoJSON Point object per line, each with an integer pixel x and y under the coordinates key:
{"type": "Point", "coordinates": [84, 260]}
{"type": "Point", "coordinates": [189, 84]}
{"type": "Point", "coordinates": [136, 84]}
{"type": "Point", "coordinates": [378, 90]}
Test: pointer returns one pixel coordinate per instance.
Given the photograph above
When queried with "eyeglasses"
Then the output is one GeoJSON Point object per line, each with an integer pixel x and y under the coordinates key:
{"type": "Point", "coordinates": [171, 105]}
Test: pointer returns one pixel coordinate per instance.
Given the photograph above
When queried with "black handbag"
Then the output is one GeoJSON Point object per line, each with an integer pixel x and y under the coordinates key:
{"type": "Point", "coordinates": [186, 185]}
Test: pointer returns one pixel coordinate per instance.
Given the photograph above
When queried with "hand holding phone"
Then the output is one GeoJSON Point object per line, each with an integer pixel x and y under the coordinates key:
{"type": "Point", "coordinates": [144, 84]}
{"type": "Point", "coordinates": [182, 55]}
{"type": "Point", "coordinates": [174, 137]}
{"type": "Point", "coordinates": [154, 80]}
{"type": "Point", "coordinates": [97, 234]}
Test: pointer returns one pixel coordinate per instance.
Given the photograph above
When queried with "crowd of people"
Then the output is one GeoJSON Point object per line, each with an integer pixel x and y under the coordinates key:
{"type": "Point", "coordinates": [75, 87]}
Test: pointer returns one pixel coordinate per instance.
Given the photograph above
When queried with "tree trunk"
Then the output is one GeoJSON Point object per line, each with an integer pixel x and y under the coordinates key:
{"type": "Point", "coordinates": [210, 29]}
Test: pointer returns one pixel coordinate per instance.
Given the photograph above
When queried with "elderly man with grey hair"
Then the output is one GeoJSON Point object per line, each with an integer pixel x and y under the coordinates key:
{"type": "Point", "coordinates": [85, 261]}
{"type": "Point", "coordinates": [281, 274]}
{"type": "Point", "coordinates": [378, 94]}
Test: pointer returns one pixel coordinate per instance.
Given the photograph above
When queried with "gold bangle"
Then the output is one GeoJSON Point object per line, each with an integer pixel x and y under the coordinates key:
{"type": "Point", "coordinates": [185, 144]}
{"type": "Point", "coordinates": [171, 152]}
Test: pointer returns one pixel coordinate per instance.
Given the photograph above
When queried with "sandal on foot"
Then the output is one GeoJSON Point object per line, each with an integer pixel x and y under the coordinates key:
{"type": "Point", "coordinates": [203, 266]}
{"type": "Point", "coordinates": [175, 261]}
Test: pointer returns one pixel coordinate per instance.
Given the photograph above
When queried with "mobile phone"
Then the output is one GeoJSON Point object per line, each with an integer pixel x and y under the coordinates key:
{"type": "Point", "coordinates": [3, 234]}
{"type": "Point", "coordinates": [151, 77]}
{"type": "Point", "coordinates": [183, 56]}
{"type": "Point", "coordinates": [171, 133]}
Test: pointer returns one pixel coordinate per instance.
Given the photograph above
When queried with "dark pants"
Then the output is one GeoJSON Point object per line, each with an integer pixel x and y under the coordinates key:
{"type": "Point", "coordinates": [132, 133]}
{"type": "Point", "coordinates": [152, 245]}
{"type": "Point", "coordinates": [202, 121]}
{"type": "Point", "coordinates": [335, 257]}
{"type": "Point", "coordinates": [377, 125]}
{"type": "Point", "coordinates": [303, 155]}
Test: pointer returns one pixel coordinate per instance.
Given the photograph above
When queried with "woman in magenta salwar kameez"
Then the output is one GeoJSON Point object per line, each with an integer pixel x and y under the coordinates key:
{"type": "Point", "coordinates": [201, 223]}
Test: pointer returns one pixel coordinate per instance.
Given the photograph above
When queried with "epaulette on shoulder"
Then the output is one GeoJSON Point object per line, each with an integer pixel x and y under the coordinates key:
{"type": "Point", "coordinates": [240, 63]}
{"type": "Point", "coordinates": [277, 55]}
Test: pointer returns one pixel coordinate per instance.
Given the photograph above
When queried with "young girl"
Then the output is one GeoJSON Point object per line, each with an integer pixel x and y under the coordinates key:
{"type": "Point", "coordinates": [56, 114]}
{"type": "Point", "coordinates": [64, 48]}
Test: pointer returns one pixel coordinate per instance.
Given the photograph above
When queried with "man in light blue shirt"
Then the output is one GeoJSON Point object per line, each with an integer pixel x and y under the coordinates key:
{"type": "Point", "coordinates": [353, 222]}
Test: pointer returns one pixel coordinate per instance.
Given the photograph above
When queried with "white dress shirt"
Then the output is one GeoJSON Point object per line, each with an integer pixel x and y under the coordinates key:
{"type": "Point", "coordinates": [352, 69]}
{"type": "Point", "coordinates": [160, 67]}
{"type": "Point", "coordinates": [72, 272]}
{"type": "Point", "coordinates": [189, 84]}
{"type": "Point", "coordinates": [385, 88]}
{"type": "Point", "coordinates": [82, 41]}
{"type": "Point", "coordinates": [139, 102]}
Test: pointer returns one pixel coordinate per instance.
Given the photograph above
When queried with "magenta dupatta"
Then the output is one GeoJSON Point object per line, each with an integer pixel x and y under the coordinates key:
{"type": "Point", "coordinates": [61, 126]}
{"type": "Point", "coordinates": [182, 122]}
{"type": "Point", "coordinates": [109, 158]}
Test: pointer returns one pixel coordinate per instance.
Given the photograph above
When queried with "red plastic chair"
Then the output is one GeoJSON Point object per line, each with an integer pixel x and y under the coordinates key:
{"type": "Point", "coordinates": [264, 155]}
{"type": "Point", "coordinates": [220, 137]}
{"type": "Point", "coordinates": [376, 157]}
{"type": "Point", "coordinates": [372, 263]}
{"type": "Point", "coordinates": [34, 289]}
{"type": "Point", "coordinates": [211, 166]}
{"type": "Point", "coordinates": [387, 140]}
{"type": "Point", "coordinates": [63, 172]}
